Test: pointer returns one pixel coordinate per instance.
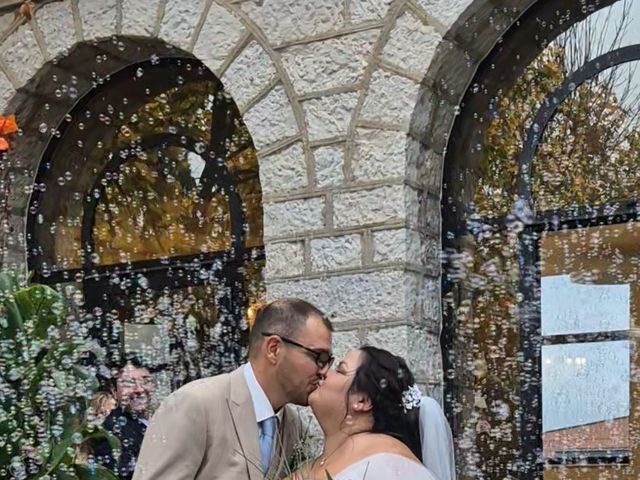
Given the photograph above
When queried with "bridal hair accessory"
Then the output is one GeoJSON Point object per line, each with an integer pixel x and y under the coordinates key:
{"type": "Point", "coordinates": [411, 398]}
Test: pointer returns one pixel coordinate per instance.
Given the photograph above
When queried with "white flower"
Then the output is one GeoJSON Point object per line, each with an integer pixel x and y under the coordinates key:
{"type": "Point", "coordinates": [411, 398]}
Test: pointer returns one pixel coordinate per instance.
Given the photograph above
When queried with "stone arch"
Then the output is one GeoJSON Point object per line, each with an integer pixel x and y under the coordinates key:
{"type": "Point", "coordinates": [223, 37]}
{"type": "Point", "coordinates": [472, 29]}
{"type": "Point", "coordinates": [60, 94]}
{"type": "Point", "coordinates": [242, 58]}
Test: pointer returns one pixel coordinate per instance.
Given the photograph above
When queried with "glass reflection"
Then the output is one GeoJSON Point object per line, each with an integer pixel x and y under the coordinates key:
{"type": "Point", "coordinates": [569, 307]}
{"type": "Point", "coordinates": [587, 288]}
{"type": "Point", "coordinates": [585, 398]}
{"type": "Point", "coordinates": [510, 267]}
{"type": "Point", "coordinates": [145, 213]}
{"type": "Point", "coordinates": [153, 206]}
{"type": "Point", "coordinates": [149, 158]}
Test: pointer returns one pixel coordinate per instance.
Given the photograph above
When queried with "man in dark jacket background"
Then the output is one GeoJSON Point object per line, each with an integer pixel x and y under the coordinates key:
{"type": "Point", "coordinates": [128, 421]}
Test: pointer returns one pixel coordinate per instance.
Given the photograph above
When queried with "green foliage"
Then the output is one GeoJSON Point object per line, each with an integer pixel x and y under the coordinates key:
{"type": "Point", "coordinates": [44, 390]}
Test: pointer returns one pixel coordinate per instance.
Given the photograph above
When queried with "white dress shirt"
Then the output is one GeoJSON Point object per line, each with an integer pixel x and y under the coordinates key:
{"type": "Point", "coordinates": [261, 404]}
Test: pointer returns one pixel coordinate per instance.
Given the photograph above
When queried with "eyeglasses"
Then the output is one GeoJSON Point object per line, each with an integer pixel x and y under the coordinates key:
{"type": "Point", "coordinates": [323, 359]}
{"type": "Point", "coordinates": [143, 382]}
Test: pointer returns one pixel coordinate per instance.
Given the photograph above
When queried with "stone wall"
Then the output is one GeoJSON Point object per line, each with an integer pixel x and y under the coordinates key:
{"type": "Point", "coordinates": [349, 103]}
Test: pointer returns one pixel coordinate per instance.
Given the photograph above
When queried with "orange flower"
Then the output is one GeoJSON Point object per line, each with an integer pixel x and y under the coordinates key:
{"type": "Point", "coordinates": [8, 125]}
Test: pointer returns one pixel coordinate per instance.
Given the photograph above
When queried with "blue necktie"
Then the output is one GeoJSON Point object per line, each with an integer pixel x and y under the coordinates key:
{"type": "Point", "coordinates": [267, 433]}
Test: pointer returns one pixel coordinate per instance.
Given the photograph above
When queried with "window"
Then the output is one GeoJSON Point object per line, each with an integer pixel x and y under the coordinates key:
{"type": "Point", "coordinates": [585, 324]}
{"type": "Point", "coordinates": [148, 215]}
{"type": "Point", "coordinates": [540, 225]}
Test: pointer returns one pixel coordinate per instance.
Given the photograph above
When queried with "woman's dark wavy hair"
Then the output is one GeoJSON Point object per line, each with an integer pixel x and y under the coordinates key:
{"type": "Point", "coordinates": [383, 377]}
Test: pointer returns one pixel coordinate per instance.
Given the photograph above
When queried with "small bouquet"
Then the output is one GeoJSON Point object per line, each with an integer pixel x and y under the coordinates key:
{"type": "Point", "coordinates": [306, 449]}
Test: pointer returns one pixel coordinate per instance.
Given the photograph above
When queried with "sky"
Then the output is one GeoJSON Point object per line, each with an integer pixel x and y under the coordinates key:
{"type": "Point", "coordinates": [606, 23]}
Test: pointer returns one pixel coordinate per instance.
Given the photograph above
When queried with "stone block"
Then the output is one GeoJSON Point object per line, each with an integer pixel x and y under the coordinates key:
{"type": "Point", "coordinates": [426, 356]}
{"type": "Point", "coordinates": [435, 391]}
{"type": "Point", "coordinates": [249, 74]}
{"type": "Point", "coordinates": [334, 253]}
{"type": "Point", "coordinates": [284, 171]}
{"type": "Point", "coordinates": [450, 72]}
{"type": "Point", "coordinates": [431, 255]}
{"type": "Point", "coordinates": [293, 216]}
{"type": "Point", "coordinates": [419, 348]}
{"type": "Point", "coordinates": [98, 18]}
{"type": "Point", "coordinates": [440, 127]}
{"type": "Point", "coordinates": [397, 245]}
{"type": "Point", "coordinates": [139, 17]}
{"type": "Point", "coordinates": [411, 44]}
{"type": "Point", "coordinates": [363, 207]}
{"type": "Point", "coordinates": [379, 154]}
{"type": "Point", "coordinates": [329, 116]}
{"type": "Point", "coordinates": [430, 173]}
{"type": "Point", "coordinates": [180, 20]}
{"type": "Point", "coordinates": [413, 205]}
{"type": "Point", "coordinates": [329, 63]}
{"type": "Point", "coordinates": [368, 10]}
{"type": "Point", "coordinates": [6, 92]}
{"type": "Point", "coordinates": [343, 342]}
{"type": "Point", "coordinates": [353, 297]}
{"type": "Point", "coordinates": [390, 99]}
{"type": "Point", "coordinates": [220, 32]}
{"type": "Point", "coordinates": [284, 259]}
{"type": "Point", "coordinates": [286, 20]}
{"type": "Point", "coordinates": [431, 298]}
{"type": "Point", "coordinates": [22, 54]}
{"type": "Point", "coordinates": [55, 21]}
{"type": "Point", "coordinates": [429, 216]}
{"type": "Point", "coordinates": [6, 19]}
{"type": "Point", "coordinates": [329, 163]}
{"type": "Point", "coordinates": [15, 238]}
{"type": "Point", "coordinates": [425, 166]}
{"type": "Point", "coordinates": [271, 119]}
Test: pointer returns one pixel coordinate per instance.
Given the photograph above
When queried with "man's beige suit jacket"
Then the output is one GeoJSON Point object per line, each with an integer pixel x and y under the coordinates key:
{"type": "Point", "coordinates": [207, 430]}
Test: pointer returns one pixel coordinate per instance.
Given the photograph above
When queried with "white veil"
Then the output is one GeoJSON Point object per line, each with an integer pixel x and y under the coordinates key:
{"type": "Point", "coordinates": [437, 440]}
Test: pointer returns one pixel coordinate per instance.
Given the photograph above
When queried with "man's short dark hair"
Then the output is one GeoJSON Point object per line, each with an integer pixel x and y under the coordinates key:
{"type": "Point", "coordinates": [131, 359]}
{"type": "Point", "coordinates": [134, 360]}
{"type": "Point", "coordinates": [285, 317]}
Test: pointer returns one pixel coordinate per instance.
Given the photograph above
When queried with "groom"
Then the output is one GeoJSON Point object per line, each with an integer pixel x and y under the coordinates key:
{"type": "Point", "coordinates": [238, 426]}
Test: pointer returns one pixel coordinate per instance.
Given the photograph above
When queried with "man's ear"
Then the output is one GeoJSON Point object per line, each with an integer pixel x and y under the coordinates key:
{"type": "Point", "coordinates": [271, 348]}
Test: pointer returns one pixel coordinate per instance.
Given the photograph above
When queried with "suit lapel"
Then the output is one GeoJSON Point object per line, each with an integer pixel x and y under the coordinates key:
{"type": "Point", "coordinates": [244, 422]}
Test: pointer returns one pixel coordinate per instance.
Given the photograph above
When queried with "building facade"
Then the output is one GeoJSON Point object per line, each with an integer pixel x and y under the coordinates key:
{"type": "Point", "coordinates": [358, 132]}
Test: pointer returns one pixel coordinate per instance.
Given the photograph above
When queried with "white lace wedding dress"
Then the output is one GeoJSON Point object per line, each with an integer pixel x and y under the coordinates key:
{"type": "Point", "coordinates": [385, 466]}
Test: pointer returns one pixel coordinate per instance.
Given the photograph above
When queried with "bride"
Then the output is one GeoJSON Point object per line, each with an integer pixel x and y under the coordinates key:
{"type": "Point", "coordinates": [368, 410]}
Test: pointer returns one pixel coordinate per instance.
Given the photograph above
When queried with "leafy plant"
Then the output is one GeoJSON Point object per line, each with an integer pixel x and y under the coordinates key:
{"type": "Point", "coordinates": [44, 389]}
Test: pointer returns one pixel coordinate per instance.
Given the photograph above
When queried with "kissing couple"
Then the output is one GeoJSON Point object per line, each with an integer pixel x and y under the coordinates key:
{"type": "Point", "coordinates": [242, 426]}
